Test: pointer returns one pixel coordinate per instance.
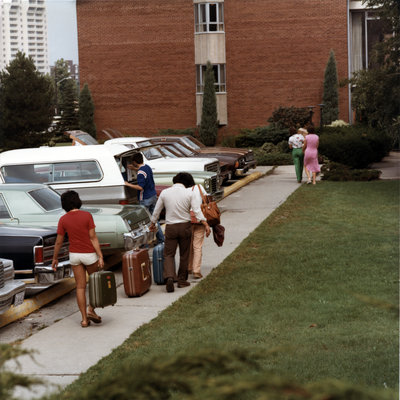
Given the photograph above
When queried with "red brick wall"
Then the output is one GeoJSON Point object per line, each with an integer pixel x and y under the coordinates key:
{"type": "Point", "coordinates": [277, 53]}
{"type": "Point", "coordinates": [137, 57]}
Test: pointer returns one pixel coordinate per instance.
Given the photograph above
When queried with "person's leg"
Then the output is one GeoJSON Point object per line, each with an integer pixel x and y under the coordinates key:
{"type": "Point", "coordinates": [296, 153]}
{"type": "Point", "coordinates": [184, 231]}
{"type": "Point", "coordinates": [90, 310]}
{"type": "Point", "coordinates": [198, 233]}
{"type": "Point", "coordinates": [314, 178]}
{"type": "Point", "coordinates": [171, 243]}
{"type": "Point", "coordinates": [80, 279]}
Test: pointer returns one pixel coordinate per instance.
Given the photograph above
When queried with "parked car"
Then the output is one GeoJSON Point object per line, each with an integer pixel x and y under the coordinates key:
{"type": "Point", "coordinates": [12, 292]}
{"type": "Point", "coordinates": [118, 227]}
{"type": "Point", "coordinates": [93, 171]}
{"type": "Point", "coordinates": [31, 251]}
{"type": "Point", "coordinates": [166, 165]}
{"type": "Point", "coordinates": [198, 147]}
{"type": "Point", "coordinates": [232, 163]}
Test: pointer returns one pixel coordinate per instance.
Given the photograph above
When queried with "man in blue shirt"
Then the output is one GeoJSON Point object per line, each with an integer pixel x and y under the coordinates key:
{"type": "Point", "coordinates": [146, 188]}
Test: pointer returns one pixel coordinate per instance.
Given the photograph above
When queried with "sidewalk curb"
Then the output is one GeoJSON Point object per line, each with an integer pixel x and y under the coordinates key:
{"type": "Point", "coordinates": [243, 182]}
{"type": "Point", "coordinates": [34, 303]}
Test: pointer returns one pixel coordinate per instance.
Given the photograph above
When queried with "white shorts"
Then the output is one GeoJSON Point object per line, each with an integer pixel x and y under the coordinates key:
{"type": "Point", "coordinates": [83, 258]}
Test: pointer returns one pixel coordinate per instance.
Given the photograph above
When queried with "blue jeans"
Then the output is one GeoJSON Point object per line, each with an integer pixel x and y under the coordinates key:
{"type": "Point", "coordinates": [150, 203]}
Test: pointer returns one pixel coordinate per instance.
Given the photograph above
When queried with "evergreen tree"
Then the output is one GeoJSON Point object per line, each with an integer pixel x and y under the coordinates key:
{"type": "Point", "coordinates": [330, 97]}
{"type": "Point", "coordinates": [209, 119]}
{"type": "Point", "coordinates": [86, 112]}
{"type": "Point", "coordinates": [69, 110]}
{"type": "Point", "coordinates": [25, 104]}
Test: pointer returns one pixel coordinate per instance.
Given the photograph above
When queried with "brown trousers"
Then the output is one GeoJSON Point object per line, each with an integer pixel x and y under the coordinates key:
{"type": "Point", "coordinates": [177, 235]}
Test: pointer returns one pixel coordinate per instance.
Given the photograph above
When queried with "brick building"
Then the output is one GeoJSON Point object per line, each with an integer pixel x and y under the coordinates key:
{"type": "Point", "coordinates": [144, 59]}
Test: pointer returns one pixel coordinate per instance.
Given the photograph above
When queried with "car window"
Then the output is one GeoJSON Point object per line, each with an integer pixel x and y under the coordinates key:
{"type": "Point", "coordinates": [77, 171]}
{"type": "Point", "coordinates": [152, 153]}
{"type": "Point", "coordinates": [26, 173]}
{"type": "Point", "coordinates": [4, 213]}
{"type": "Point", "coordinates": [191, 143]}
{"type": "Point", "coordinates": [167, 153]}
{"type": "Point", "coordinates": [47, 198]}
{"type": "Point", "coordinates": [183, 149]}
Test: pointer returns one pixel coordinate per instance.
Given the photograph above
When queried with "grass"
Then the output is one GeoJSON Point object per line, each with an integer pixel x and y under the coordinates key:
{"type": "Point", "coordinates": [310, 295]}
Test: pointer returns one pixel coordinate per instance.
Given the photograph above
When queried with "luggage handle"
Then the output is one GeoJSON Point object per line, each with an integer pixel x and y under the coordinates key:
{"type": "Point", "coordinates": [143, 265]}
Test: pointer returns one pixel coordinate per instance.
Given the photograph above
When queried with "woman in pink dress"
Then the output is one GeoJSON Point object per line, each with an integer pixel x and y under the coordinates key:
{"type": "Point", "coordinates": [310, 149]}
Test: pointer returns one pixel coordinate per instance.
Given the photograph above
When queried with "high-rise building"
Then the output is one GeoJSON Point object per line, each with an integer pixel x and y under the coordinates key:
{"type": "Point", "coordinates": [23, 27]}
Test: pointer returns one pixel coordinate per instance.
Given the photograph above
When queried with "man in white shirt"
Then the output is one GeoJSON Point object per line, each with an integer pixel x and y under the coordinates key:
{"type": "Point", "coordinates": [177, 201]}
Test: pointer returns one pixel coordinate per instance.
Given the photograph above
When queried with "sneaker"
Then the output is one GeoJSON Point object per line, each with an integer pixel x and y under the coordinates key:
{"type": "Point", "coordinates": [170, 285]}
{"type": "Point", "coordinates": [182, 284]}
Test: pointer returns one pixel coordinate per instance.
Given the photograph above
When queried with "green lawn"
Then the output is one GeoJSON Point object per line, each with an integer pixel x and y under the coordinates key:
{"type": "Point", "coordinates": [310, 295]}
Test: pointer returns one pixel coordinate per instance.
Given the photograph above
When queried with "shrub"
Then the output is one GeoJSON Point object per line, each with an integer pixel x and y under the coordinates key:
{"type": "Point", "coordinates": [354, 146]}
{"type": "Point", "coordinates": [285, 117]}
{"type": "Point", "coordinates": [338, 172]}
{"type": "Point", "coordinates": [174, 132]}
{"type": "Point", "coordinates": [264, 158]}
{"type": "Point", "coordinates": [258, 136]}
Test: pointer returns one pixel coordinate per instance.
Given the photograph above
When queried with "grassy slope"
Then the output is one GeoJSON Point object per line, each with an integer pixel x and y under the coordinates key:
{"type": "Point", "coordinates": [317, 280]}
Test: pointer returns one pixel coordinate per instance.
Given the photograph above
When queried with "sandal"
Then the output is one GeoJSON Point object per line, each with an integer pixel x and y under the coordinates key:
{"type": "Point", "coordinates": [85, 325]}
{"type": "Point", "coordinates": [95, 318]}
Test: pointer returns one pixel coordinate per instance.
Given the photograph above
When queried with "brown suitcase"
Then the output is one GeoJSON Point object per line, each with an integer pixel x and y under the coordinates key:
{"type": "Point", "coordinates": [136, 272]}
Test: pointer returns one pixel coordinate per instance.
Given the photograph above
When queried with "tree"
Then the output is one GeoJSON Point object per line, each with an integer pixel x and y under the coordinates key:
{"type": "Point", "coordinates": [60, 76]}
{"type": "Point", "coordinates": [376, 91]}
{"type": "Point", "coordinates": [69, 110]}
{"type": "Point", "coordinates": [25, 104]}
{"type": "Point", "coordinates": [209, 119]}
{"type": "Point", "coordinates": [330, 98]}
{"type": "Point", "coordinates": [86, 112]}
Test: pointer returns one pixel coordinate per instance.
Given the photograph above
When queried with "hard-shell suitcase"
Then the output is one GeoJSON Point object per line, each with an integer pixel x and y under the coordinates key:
{"type": "Point", "coordinates": [102, 289]}
{"type": "Point", "coordinates": [136, 272]}
{"type": "Point", "coordinates": [158, 264]}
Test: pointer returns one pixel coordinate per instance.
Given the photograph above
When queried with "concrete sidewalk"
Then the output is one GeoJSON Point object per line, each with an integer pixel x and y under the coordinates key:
{"type": "Point", "coordinates": [65, 350]}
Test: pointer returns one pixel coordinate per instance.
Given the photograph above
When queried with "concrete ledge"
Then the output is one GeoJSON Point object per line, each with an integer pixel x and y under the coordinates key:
{"type": "Point", "coordinates": [34, 303]}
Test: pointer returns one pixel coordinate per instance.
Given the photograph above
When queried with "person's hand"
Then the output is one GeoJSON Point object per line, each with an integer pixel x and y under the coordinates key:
{"type": "Point", "coordinates": [100, 263]}
{"type": "Point", "coordinates": [152, 227]}
{"type": "Point", "coordinates": [54, 264]}
{"type": "Point", "coordinates": [208, 229]}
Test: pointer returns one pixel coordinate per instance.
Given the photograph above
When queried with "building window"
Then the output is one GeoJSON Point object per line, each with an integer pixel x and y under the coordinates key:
{"type": "Point", "coordinates": [209, 17]}
{"type": "Point", "coordinates": [219, 76]}
{"type": "Point", "coordinates": [366, 31]}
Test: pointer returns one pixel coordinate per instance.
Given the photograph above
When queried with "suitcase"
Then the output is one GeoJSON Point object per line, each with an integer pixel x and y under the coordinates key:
{"type": "Point", "coordinates": [136, 272]}
{"type": "Point", "coordinates": [102, 289]}
{"type": "Point", "coordinates": [158, 264]}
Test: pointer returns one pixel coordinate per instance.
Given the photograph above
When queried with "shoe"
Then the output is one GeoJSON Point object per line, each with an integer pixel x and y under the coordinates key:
{"type": "Point", "coordinates": [170, 285]}
{"type": "Point", "coordinates": [85, 325]}
{"type": "Point", "coordinates": [197, 275]}
{"type": "Point", "coordinates": [308, 182]}
{"type": "Point", "coordinates": [182, 284]}
{"type": "Point", "coordinates": [95, 318]}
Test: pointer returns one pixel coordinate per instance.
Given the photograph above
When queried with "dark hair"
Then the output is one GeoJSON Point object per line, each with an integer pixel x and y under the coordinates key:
{"type": "Point", "coordinates": [138, 158]}
{"type": "Point", "coordinates": [292, 130]}
{"type": "Point", "coordinates": [184, 178]}
{"type": "Point", "coordinates": [310, 129]}
{"type": "Point", "coordinates": [70, 200]}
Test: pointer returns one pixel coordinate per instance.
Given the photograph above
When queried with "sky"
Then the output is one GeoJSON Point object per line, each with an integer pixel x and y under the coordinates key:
{"type": "Point", "coordinates": [62, 30]}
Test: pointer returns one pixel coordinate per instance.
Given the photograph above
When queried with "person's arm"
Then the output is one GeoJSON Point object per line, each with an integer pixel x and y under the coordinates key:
{"type": "Point", "coordinates": [156, 213]}
{"type": "Point", "coordinates": [95, 242]}
{"type": "Point", "coordinates": [57, 247]}
{"type": "Point", "coordinates": [305, 144]}
{"type": "Point", "coordinates": [133, 186]}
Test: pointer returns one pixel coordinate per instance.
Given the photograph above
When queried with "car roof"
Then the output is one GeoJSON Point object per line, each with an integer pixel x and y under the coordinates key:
{"type": "Point", "coordinates": [59, 153]}
{"type": "Point", "coordinates": [22, 187]}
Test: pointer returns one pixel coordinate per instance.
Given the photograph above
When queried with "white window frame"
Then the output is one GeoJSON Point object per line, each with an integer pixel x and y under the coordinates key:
{"type": "Point", "coordinates": [202, 16]}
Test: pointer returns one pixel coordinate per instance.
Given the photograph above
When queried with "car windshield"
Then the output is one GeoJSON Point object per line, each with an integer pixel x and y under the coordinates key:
{"type": "Point", "coordinates": [192, 144]}
{"type": "Point", "coordinates": [46, 198]}
{"type": "Point", "coordinates": [167, 153]}
{"type": "Point", "coordinates": [183, 149]}
{"type": "Point", "coordinates": [152, 153]}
